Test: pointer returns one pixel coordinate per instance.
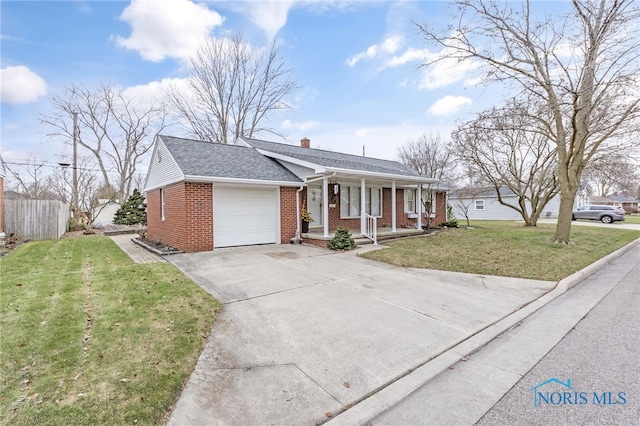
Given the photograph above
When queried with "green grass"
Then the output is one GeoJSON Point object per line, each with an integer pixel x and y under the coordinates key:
{"type": "Point", "coordinates": [506, 249]}
{"type": "Point", "coordinates": [631, 218]}
{"type": "Point", "coordinates": [89, 337]}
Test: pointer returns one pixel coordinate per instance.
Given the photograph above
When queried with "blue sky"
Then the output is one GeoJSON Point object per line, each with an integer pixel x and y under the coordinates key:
{"type": "Point", "coordinates": [357, 63]}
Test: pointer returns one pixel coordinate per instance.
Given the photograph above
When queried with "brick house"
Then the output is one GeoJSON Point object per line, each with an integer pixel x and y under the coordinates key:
{"type": "Point", "coordinates": [203, 195]}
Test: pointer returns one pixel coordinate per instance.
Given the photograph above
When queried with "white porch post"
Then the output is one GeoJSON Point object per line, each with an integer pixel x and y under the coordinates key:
{"type": "Point", "coordinates": [363, 222]}
{"type": "Point", "coordinates": [325, 206]}
{"type": "Point", "coordinates": [393, 206]}
{"type": "Point", "coordinates": [419, 205]}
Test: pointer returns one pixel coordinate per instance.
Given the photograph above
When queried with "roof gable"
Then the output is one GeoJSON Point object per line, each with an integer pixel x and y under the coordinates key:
{"type": "Point", "coordinates": [214, 160]}
{"type": "Point", "coordinates": [332, 160]}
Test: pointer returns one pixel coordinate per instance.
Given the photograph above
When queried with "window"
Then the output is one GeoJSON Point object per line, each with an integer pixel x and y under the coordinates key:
{"type": "Point", "coordinates": [162, 204]}
{"type": "Point", "coordinates": [373, 202]}
{"type": "Point", "coordinates": [479, 204]}
{"type": "Point", "coordinates": [350, 201]}
{"type": "Point", "coordinates": [410, 201]}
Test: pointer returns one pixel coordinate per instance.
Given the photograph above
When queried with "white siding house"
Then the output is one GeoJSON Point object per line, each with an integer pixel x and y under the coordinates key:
{"type": "Point", "coordinates": [484, 205]}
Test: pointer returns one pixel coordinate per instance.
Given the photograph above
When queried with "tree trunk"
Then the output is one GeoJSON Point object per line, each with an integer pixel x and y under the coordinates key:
{"type": "Point", "coordinates": [563, 228]}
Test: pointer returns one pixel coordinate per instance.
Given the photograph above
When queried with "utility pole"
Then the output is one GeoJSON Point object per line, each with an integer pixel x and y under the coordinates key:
{"type": "Point", "coordinates": [75, 163]}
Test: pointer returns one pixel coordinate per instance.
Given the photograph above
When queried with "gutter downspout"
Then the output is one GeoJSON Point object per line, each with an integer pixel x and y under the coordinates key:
{"type": "Point", "coordinates": [297, 239]}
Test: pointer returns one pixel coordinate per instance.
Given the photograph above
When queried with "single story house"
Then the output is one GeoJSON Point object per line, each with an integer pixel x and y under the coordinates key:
{"type": "Point", "coordinates": [483, 204]}
{"type": "Point", "coordinates": [628, 204]}
{"type": "Point", "coordinates": [203, 195]}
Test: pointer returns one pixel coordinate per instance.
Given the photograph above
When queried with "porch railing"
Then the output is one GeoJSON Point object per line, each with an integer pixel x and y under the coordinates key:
{"type": "Point", "coordinates": [371, 227]}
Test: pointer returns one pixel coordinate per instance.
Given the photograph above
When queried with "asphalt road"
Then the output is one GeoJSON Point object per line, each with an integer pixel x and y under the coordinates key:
{"type": "Point", "coordinates": [600, 355]}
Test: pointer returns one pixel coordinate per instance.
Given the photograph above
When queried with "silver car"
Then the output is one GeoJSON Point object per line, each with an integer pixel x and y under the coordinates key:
{"type": "Point", "coordinates": [605, 214]}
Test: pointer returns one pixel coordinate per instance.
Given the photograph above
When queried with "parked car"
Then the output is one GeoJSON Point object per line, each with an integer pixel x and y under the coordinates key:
{"type": "Point", "coordinates": [605, 214]}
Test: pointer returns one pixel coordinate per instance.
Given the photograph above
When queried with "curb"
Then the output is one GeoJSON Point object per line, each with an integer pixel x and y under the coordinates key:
{"type": "Point", "coordinates": [573, 279]}
{"type": "Point", "coordinates": [371, 407]}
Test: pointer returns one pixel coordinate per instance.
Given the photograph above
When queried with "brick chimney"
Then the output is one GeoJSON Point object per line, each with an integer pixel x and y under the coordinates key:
{"type": "Point", "coordinates": [305, 143]}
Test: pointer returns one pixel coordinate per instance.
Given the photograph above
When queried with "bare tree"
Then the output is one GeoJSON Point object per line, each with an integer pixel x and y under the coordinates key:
{"type": "Point", "coordinates": [502, 144]}
{"type": "Point", "coordinates": [232, 88]}
{"type": "Point", "coordinates": [60, 182]}
{"type": "Point", "coordinates": [431, 156]}
{"type": "Point", "coordinates": [613, 173]}
{"type": "Point", "coordinates": [118, 131]}
{"type": "Point", "coordinates": [582, 66]}
{"type": "Point", "coordinates": [27, 178]}
{"type": "Point", "coordinates": [465, 197]}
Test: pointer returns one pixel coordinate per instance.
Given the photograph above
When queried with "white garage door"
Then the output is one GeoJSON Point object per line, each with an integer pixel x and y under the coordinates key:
{"type": "Point", "coordinates": [243, 216]}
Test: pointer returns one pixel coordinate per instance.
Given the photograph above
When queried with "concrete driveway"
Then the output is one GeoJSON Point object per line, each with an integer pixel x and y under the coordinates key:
{"type": "Point", "coordinates": [305, 332]}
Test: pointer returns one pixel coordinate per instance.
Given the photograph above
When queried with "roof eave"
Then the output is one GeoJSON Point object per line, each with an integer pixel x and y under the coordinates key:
{"type": "Point", "coordinates": [390, 176]}
{"type": "Point", "coordinates": [240, 181]}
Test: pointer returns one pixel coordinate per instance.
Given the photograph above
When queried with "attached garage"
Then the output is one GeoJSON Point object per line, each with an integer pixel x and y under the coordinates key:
{"type": "Point", "coordinates": [245, 216]}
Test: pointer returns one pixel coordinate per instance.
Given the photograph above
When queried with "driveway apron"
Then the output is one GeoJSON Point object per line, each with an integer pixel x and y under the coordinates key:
{"type": "Point", "coordinates": [304, 332]}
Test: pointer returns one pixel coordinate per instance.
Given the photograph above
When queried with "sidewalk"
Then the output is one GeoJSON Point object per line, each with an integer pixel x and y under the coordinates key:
{"type": "Point", "coordinates": [460, 388]}
{"type": "Point", "coordinates": [135, 252]}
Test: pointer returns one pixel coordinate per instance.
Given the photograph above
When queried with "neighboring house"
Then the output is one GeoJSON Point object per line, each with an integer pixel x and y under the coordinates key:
{"type": "Point", "coordinates": [203, 195]}
{"type": "Point", "coordinates": [630, 205]}
{"type": "Point", "coordinates": [104, 213]}
{"type": "Point", "coordinates": [483, 204]}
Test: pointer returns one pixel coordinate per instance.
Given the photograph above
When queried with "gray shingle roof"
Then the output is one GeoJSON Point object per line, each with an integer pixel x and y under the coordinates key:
{"type": "Point", "coordinates": [334, 159]}
{"type": "Point", "coordinates": [471, 192]}
{"type": "Point", "coordinates": [207, 159]}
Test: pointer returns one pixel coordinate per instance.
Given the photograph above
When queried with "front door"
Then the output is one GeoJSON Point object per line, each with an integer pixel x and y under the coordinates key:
{"type": "Point", "coordinates": [314, 201]}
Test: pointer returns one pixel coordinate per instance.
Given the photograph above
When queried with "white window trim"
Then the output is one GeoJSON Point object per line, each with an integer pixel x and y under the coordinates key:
{"type": "Point", "coordinates": [406, 200]}
{"type": "Point", "coordinates": [162, 212]}
{"type": "Point", "coordinates": [380, 191]}
{"type": "Point", "coordinates": [356, 190]}
{"type": "Point", "coordinates": [475, 204]}
{"type": "Point", "coordinates": [424, 197]}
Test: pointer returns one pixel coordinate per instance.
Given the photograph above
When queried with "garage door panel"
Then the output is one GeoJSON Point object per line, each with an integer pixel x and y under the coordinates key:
{"type": "Point", "coordinates": [244, 216]}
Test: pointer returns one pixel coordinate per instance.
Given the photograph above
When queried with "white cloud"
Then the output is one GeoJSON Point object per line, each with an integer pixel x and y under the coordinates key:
{"type": "Point", "coordinates": [446, 72]}
{"type": "Point", "coordinates": [269, 16]}
{"type": "Point", "coordinates": [20, 85]}
{"type": "Point", "coordinates": [155, 91]}
{"type": "Point", "coordinates": [409, 55]}
{"type": "Point", "coordinates": [389, 46]}
{"type": "Point", "coordinates": [448, 105]}
{"type": "Point", "coordinates": [300, 126]}
{"type": "Point", "coordinates": [167, 28]}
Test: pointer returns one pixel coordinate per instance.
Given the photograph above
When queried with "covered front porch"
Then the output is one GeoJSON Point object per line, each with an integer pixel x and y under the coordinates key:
{"type": "Point", "coordinates": [371, 205]}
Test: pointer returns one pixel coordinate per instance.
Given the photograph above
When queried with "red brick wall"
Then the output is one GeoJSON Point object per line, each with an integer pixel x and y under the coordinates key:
{"type": "Point", "coordinates": [441, 208]}
{"type": "Point", "coordinates": [188, 223]}
{"type": "Point", "coordinates": [199, 217]}
{"type": "Point", "coordinates": [288, 218]}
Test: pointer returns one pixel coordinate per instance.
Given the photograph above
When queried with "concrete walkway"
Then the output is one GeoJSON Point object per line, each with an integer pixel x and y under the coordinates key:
{"type": "Point", "coordinates": [135, 252]}
{"type": "Point", "coordinates": [306, 334]}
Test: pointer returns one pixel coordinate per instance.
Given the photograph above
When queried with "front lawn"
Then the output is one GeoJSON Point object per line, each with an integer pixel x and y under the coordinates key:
{"type": "Point", "coordinates": [507, 249]}
{"type": "Point", "coordinates": [89, 337]}
{"type": "Point", "coordinates": [632, 218]}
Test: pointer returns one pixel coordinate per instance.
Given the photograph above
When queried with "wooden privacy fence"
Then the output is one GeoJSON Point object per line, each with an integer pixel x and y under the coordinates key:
{"type": "Point", "coordinates": [35, 219]}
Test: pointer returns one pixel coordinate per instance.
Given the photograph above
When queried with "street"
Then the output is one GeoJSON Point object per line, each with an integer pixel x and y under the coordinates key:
{"type": "Point", "coordinates": [599, 355]}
